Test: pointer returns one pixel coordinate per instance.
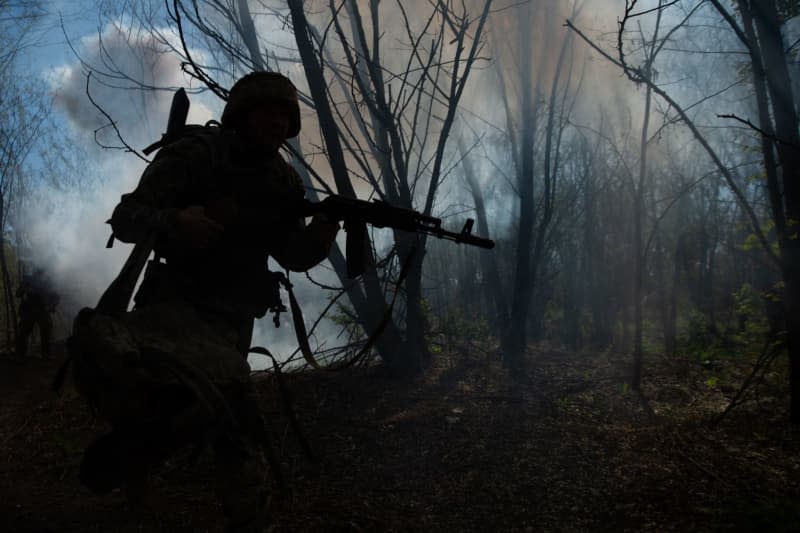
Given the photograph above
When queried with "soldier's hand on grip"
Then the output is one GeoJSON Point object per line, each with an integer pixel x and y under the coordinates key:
{"type": "Point", "coordinates": [224, 211]}
{"type": "Point", "coordinates": [196, 230]}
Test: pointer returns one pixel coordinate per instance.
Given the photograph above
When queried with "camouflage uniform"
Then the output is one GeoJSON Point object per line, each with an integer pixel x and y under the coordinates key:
{"type": "Point", "coordinates": [37, 304]}
{"type": "Point", "coordinates": [185, 343]}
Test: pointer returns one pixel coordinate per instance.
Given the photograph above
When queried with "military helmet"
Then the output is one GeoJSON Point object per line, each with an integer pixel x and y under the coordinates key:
{"type": "Point", "coordinates": [258, 88]}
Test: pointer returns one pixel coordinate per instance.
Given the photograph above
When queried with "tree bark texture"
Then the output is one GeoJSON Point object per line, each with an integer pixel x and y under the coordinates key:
{"type": "Point", "coordinates": [785, 117]}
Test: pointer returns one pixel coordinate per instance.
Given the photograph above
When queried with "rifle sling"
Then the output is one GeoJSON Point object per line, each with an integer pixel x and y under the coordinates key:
{"type": "Point", "coordinates": [288, 402]}
{"type": "Point", "coordinates": [117, 296]}
{"type": "Point", "coordinates": [299, 326]}
{"type": "Point", "coordinates": [302, 335]}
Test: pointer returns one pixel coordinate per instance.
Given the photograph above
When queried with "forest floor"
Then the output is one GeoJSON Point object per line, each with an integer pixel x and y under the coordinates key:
{"type": "Point", "coordinates": [565, 446]}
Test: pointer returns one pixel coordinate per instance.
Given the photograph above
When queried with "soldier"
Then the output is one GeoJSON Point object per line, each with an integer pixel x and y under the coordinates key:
{"type": "Point", "coordinates": [38, 301]}
{"type": "Point", "coordinates": [219, 201]}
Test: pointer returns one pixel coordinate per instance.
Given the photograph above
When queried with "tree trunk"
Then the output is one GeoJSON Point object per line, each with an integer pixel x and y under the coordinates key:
{"type": "Point", "coordinates": [670, 324]}
{"type": "Point", "coordinates": [8, 295]}
{"type": "Point", "coordinates": [659, 264]}
{"type": "Point", "coordinates": [369, 304]}
{"type": "Point", "coordinates": [571, 330]}
{"type": "Point", "coordinates": [8, 291]}
{"type": "Point", "coordinates": [416, 321]}
{"type": "Point", "coordinates": [765, 122]}
{"type": "Point", "coordinates": [638, 251]}
{"type": "Point", "coordinates": [515, 338]}
{"type": "Point", "coordinates": [596, 280]}
{"type": "Point", "coordinates": [370, 309]}
{"type": "Point", "coordinates": [492, 285]}
{"type": "Point", "coordinates": [639, 214]}
{"type": "Point", "coordinates": [786, 122]}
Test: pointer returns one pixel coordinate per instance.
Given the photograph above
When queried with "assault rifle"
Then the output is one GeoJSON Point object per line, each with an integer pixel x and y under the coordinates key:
{"type": "Point", "coordinates": [357, 213]}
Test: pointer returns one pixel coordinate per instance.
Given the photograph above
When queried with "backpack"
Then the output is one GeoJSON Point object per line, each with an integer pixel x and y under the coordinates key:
{"type": "Point", "coordinates": [115, 362]}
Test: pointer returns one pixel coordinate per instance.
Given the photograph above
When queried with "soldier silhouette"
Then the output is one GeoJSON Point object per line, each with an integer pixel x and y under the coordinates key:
{"type": "Point", "coordinates": [38, 302]}
{"type": "Point", "coordinates": [218, 202]}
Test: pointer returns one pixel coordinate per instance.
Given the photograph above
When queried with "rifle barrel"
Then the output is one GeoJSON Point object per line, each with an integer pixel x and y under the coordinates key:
{"type": "Point", "coordinates": [381, 214]}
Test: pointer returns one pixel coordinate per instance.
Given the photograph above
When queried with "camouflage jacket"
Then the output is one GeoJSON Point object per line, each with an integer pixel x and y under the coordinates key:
{"type": "Point", "coordinates": [212, 169]}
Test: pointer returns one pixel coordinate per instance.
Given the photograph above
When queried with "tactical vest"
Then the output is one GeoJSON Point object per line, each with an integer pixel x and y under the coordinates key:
{"type": "Point", "coordinates": [232, 278]}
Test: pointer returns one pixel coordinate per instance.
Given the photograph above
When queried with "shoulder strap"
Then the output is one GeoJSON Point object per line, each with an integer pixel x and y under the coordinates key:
{"type": "Point", "coordinates": [209, 134]}
{"type": "Point", "coordinates": [117, 296]}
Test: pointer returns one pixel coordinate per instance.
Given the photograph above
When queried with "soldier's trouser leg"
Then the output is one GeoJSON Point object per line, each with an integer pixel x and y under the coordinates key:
{"type": "Point", "coordinates": [24, 331]}
{"type": "Point", "coordinates": [46, 333]}
{"type": "Point", "coordinates": [241, 469]}
{"type": "Point", "coordinates": [127, 453]}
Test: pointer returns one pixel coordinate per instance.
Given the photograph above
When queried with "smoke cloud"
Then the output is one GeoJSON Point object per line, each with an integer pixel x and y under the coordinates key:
{"type": "Point", "coordinates": [66, 228]}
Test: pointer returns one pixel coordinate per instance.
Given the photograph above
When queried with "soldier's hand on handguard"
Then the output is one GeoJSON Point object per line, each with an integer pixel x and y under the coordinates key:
{"type": "Point", "coordinates": [195, 229]}
{"type": "Point", "coordinates": [308, 245]}
{"type": "Point", "coordinates": [324, 230]}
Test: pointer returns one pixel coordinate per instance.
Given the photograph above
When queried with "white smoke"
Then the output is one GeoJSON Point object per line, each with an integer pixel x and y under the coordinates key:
{"type": "Point", "coordinates": [65, 226]}
{"type": "Point", "coordinates": [67, 230]}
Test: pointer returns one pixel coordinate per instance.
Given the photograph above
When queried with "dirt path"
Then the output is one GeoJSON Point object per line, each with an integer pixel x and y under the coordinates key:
{"type": "Point", "coordinates": [563, 448]}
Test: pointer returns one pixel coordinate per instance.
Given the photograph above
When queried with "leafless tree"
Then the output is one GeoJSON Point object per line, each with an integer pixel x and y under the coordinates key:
{"type": "Point", "coordinates": [535, 127]}
{"type": "Point", "coordinates": [760, 31]}
{"type": "Point", "coordinates": [22, 113]}
{"type": "Point", "coordinates": [384, 118]}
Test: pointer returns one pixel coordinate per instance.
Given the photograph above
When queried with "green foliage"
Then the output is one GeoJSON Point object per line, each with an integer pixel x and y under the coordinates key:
{"type": "Point", "coordinates": [456, 331]}
{"type": "Point", "coordinates": [455, 326]}
{"type": "Point", "coordinates": [788, 9]}
{"type": "Point", "coordinates": [562, 404]}
{"type": "Point", "coordinates": [744, 337]}
{"type": "Point", "coordinates": [461, 325]}
{"type": "Point", "coordinates": [345, 317]}
{"type": "Point", "coordinates": [696, 339]}
{"type": "Point", "coordinates": [553, 314]}
{"type": "Point", "coordinates": [753, 243]}
{"type": "Point", "coordinates": [651, 335]}
{"type": "Point", "coordinates": [752, 320]}
{"type": "Point", "coordinates": [756, 177]}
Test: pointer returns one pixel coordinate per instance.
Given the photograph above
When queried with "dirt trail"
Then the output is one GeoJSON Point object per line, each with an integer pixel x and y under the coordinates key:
{"type": "Point", "coordinates": [564, 447]}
